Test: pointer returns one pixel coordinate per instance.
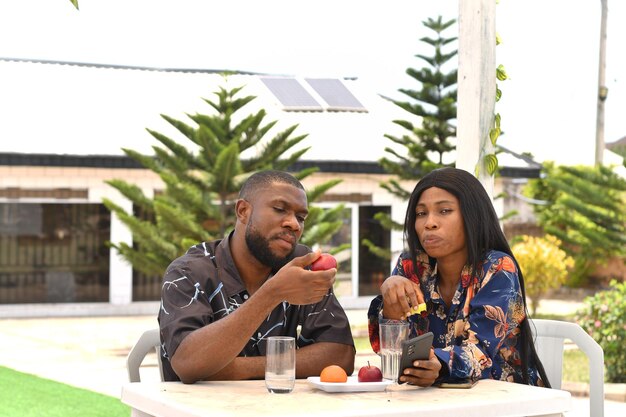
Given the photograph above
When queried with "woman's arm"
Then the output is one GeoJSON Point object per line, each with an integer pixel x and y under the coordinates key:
{"type": "Point", "coordinates": [401, 284]}
{"type": "Point", "coordinates": [494, 314]}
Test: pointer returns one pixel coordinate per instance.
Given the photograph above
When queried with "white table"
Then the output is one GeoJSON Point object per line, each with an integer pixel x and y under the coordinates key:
{"type": "Point", "coordinates": [250, 398]}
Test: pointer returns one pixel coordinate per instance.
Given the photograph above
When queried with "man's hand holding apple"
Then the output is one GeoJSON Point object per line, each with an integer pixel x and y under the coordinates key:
{"type": "Point", "coordinates": [297, 285]}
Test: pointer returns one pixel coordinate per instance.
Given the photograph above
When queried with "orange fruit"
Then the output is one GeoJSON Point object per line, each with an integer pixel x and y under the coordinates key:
{"type": "Point", "coordinates": [333, 373]}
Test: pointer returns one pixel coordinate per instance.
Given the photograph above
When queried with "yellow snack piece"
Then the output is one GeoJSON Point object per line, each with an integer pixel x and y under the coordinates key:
{"type": "Point", "coordinates": [418, 308]}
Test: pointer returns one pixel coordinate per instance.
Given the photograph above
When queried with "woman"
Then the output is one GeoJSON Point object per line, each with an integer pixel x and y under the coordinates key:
{"type": "Point", "coordinates": [459, 263]}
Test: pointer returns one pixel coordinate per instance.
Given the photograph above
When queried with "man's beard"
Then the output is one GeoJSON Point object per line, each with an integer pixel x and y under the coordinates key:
{"type": "Point", "coordinates": [259, 247]}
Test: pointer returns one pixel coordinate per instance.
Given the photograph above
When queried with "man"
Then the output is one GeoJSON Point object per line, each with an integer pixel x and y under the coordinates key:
{"type": "Point", "coordinates": [222, 299]}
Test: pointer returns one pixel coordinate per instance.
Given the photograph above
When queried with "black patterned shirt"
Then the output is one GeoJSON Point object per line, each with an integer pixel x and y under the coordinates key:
{"type": "Point", "coordinates": [204, 286]}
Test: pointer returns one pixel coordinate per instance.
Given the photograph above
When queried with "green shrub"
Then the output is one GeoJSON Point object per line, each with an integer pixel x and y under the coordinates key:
{"type": "Point", "coordinates": [604, 318]}
{"type": "Point", "coordinates": [544, 266]}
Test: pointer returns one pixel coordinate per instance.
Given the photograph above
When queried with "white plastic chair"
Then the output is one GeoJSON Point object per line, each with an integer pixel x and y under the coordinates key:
{"type": "Point", "coordinates": [150, 339]}
{"type": "Point", "coordinates": [550, 335]}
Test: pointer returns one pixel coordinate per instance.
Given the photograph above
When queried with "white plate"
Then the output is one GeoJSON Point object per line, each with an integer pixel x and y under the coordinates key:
{"type": "Point", "coordinates": [352, 385]}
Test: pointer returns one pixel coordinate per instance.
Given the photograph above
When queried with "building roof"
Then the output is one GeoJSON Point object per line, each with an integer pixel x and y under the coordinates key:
{"type": "Point", "coordinates": [82, 114]}
{"type": "Point", "coordinates": [620, 143]}
{"type": "Point", "coordinates": [531, 170]}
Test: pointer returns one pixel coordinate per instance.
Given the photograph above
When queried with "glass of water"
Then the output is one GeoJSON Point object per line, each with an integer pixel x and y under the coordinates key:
{"type": "Point", "coordinates": [392, 333]}
{"type": "Point", "coordinates": [280, 364]}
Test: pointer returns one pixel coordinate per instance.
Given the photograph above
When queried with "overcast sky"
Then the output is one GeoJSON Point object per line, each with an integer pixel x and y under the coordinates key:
{"type": "Point", "coordinates": [550, 50]}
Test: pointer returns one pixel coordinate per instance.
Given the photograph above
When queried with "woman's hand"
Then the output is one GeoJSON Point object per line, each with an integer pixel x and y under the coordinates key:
{"type": "Point", "coordinates": [399, 295]}
{"type": "Point", "coordinates": [424, 372]}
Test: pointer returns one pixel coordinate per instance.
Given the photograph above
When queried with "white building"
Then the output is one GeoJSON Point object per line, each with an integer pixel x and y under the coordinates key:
{"type": "Point", "coordinates": [61, 137]}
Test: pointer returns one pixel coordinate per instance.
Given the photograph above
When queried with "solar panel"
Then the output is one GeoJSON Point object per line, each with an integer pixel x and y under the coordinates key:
{"type": "Point", "coordinates": [335, 93]}
{"type": "Point", "coordinates": [291, 94]}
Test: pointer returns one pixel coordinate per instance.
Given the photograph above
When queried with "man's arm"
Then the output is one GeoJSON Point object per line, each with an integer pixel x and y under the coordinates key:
{"type": "Point", "coordinates": [208, 350]}
{"type": "Point", "coordinates": [310, 360]}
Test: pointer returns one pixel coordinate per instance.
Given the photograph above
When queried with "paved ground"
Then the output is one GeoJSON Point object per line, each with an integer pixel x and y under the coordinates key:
{"type": "Point", "coordinates": [90, 352]}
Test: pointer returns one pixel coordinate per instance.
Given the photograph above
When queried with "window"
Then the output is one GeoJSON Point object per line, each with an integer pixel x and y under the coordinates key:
{"type": "Point", "coordinates": [53, 253]}
{"type": "Point", "coordinates": [372, 269]}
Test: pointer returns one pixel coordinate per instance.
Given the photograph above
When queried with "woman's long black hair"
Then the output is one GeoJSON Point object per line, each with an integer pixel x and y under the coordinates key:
{"type": "Point", "coordinates": [482, 234]}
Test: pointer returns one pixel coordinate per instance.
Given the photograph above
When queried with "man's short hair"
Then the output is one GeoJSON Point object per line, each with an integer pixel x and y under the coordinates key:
{"type": "Point", "coordinates": [263, 179]}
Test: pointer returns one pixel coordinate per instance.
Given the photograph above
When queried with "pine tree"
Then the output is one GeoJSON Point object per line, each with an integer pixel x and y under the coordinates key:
{"type": "Point", "coordinates": [585, 210]}
{"type": "Point", "coordinates": [202, 182]}
{"type": "Point", "coordinates": [434, 103]}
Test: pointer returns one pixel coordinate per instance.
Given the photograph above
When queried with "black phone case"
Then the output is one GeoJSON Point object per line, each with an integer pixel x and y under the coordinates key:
{"type": "Point", "coordinates": [460, 384]}
{"type": "Point", "coordinates": [414, 349]}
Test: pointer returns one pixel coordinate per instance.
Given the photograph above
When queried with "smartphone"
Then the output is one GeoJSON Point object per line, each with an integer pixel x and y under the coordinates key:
{"type": "Point", "coordinates": [414, 349]}
{"type": "Point", "coordinates": [459, 384]}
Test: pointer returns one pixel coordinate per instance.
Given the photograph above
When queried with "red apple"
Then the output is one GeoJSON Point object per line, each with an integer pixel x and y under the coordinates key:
{"type": "Point", "coordinates": [370, 373]}
{"type": "Point", "coordinates": [324, 262]}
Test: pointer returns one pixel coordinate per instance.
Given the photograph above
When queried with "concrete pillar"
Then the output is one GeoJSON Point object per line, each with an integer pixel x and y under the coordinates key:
{"type": "Point", "coordinates": [476, 86]}
{"type": "Point", "coordinates": [120, 271]}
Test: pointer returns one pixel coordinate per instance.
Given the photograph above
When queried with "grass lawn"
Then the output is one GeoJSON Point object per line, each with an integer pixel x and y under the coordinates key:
{"type": "Point", "coordinates": [25, 395]}
{"type": "Point", "coordinates": [362, 344]}
{"type": "Point", "coordinates": [561, 317]}
{"type": "Point", "coordinates": [575, 366]}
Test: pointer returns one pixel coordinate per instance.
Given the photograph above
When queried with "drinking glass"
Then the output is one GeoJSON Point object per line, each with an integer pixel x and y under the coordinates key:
{"type": "Point", "coordinates": [392, 333]}
{"type": "Point", "coordinates": [280, 364]}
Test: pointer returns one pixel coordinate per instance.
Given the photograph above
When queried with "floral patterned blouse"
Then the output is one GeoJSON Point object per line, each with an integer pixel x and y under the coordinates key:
{"type": "Point", "coordinates": [478, 335]}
